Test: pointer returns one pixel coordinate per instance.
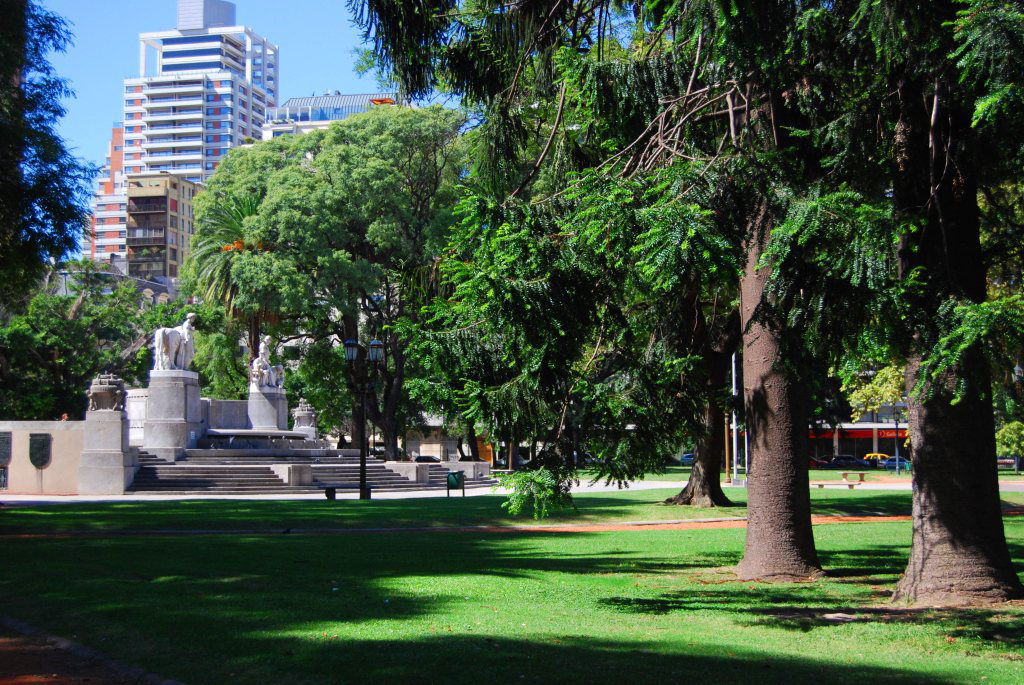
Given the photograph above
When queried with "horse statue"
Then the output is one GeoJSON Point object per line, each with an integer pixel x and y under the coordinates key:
{"type": "Point", "coordinates": [174, 348]}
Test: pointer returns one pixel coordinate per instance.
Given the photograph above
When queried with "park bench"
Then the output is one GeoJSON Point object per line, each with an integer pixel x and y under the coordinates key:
{"type": "Point", "coordinates": [834, 484]}
{"type": "Point", "coordinates": [860, 474]}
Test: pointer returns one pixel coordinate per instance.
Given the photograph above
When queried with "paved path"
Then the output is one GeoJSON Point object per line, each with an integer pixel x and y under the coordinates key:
{"type": "Point", "coordinates": [400, 494]}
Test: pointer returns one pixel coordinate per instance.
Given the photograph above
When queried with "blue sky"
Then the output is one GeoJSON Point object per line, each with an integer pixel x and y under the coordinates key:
{"type": "Point", "coordinates": [316, 38]}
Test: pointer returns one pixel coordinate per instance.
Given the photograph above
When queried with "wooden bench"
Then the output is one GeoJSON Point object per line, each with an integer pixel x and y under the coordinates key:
{"type": "Point", "coordinates": [833, 484]}
{"type": "Point", "coordinates": [860, 474]}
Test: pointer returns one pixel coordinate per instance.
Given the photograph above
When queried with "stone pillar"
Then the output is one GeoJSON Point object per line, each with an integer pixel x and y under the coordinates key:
{"type": "Point", "coordinates": [305, 420]}
{"type": "Point", "coordinates": [107, 465]}
{"type": "Point", "coordinates": [268, 407]}
{"type": "Point", "coordinates": [174, 418]}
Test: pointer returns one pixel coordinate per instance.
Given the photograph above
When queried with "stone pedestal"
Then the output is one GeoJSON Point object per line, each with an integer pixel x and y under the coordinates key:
{"type": "Point", "coordinates": [107, 465]}
{"type": "Point", "coordinates": [304, 420]}
{"type": "Point", "coordinates": [268, 408]}
{"type": "Point", "coordinates": [174, 415]}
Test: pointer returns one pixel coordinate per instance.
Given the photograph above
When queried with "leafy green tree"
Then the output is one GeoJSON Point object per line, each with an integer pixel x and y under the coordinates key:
{"type": "Point", "coordinates": [949, 138]}
{"type": "Point", "coordinates": [876, 390]}
{"type": "Point", "coordinates": [345, 226]}
{"type": "Point", "coordinates": [50, 353]}
{"type": "Point", "coordinates": [1010, 440]}
{"type": "Point", "coordinates": [43, 188]}
{"type": "Point", "coordinates": [682, 88]}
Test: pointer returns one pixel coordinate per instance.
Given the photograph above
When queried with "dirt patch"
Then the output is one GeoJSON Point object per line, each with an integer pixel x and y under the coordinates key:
{"type": "Point", "coordinates": [25, 660]}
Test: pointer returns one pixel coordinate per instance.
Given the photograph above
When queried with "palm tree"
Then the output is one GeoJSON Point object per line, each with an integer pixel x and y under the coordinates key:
{"type": "Point", "coordinates": [221, 237]}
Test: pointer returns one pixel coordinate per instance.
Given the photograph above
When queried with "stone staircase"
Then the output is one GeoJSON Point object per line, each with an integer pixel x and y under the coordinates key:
{"type": "Point", "coordinates": [203, 473]}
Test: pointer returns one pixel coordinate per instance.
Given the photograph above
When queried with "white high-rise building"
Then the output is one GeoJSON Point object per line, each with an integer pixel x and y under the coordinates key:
{"type": "Point", "coordinates": [202, 88]}
{"type": "Point", "coordinates": [212, 83]}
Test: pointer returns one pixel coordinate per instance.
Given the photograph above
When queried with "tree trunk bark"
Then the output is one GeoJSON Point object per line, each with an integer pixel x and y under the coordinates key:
{"type": "Point", "coordinates": [958, 553]}
{"type": "Point", "coordinates": [780, 541]}
{"type": "Point", "coordinates": [474, 447]}
{"type": "Point", "coordinates": [704, 487]}
{"type": "Point", "coordinates": [389, 433]}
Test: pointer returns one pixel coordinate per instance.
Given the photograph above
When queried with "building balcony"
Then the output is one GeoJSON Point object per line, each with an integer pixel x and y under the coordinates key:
{"type": "Point", "coordinates": [152, 241]}
{"type": "Point", "coordinates": [173, 116]}
{"type": "Point", "coordinates": [167, 101]}
{"type": "Point", "coordinates": [162, 129]}
{"type": "Point", "coordinates": [171, 141]}
{"type": "Point", "coordinates": [136, 190]}
{"type": "Point", "coordinates": [147, 259]}
{"type": "Point", "coordinates": [190, 156]}
{"type": "Point", "coordinates": [177, 89]}
{"type": "Point", "coordinates": [105, 213]}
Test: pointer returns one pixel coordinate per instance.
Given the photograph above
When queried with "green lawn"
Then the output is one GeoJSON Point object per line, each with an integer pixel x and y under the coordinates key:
{"type": "Point", "coordinates": [417, 607]}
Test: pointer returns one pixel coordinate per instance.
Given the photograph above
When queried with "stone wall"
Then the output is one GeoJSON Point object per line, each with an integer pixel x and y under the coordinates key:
{"type": "Point", "coordinates": [60, 476]}
{"type": "Point", "coordinates": [135, 406]}
{"type": "Point", "coordinates": [228, 414]}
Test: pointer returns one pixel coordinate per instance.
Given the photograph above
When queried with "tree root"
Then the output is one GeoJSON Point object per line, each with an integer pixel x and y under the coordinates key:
{"type": "Point", "coordinates": [689, 496]}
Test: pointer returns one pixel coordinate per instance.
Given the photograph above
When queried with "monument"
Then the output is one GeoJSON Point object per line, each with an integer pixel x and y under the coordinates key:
{"type": "Point", "coordinates": [304, 420]}
{"type": "Point", "coordinates": [107, 465]}
{"type": "Point", "coordinates": [268, 402]}
{"type": "Point", "coordinates": [173, 407]}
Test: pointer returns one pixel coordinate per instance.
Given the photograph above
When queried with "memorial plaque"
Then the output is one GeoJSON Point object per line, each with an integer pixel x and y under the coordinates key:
{"type": "Point", "coordinates": [5, 449]}
{"type": "Point", "coordinates": [39, 449]}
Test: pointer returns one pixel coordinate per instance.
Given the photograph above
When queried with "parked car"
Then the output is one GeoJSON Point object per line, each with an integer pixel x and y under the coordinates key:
{"type": "Point", "coordinates": [890, 464]}
{"type": "Point", "coordinates": [686, 459]}
{"type": "Point", "coordinates": [817, 463]}
{"type": "Point", "coordinates": [847, 461]}
{"type": "Point", "coordinates": [876, 458]}
{"type": "Point", "coordinates": [427, 459]}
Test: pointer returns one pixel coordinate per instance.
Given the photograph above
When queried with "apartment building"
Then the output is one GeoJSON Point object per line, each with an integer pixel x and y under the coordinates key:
{"type": "Point", "coordinates": [302, 115]}
{"type": "Point", "coordinates": [203, 88]}
{"type": "Point", "coordinates": [159, 224]}
{"type": "Point", "coordinates": [104, 238]}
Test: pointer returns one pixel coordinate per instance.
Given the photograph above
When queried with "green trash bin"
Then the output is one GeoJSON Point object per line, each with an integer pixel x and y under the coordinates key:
{"type": "Point", "coordinates": [456, 480]}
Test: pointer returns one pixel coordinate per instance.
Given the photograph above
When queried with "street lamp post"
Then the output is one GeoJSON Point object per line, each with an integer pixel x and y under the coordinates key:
{"type": "Point", "coordinates": [375, 356]}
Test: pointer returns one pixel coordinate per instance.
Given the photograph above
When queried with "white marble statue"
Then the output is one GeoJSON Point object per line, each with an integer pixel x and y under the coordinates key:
{"type": "Point", "coordinates": [263, 374]}
{"type": "Point", "coordinates": [174, 348]}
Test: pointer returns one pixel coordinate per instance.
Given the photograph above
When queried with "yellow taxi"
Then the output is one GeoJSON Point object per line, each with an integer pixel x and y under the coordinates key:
{"type": "Point", "coordinates": [875, 458]}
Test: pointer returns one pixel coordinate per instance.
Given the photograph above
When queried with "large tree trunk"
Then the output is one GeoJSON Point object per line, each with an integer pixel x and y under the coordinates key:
{"type": "Point", "coordinates": [474, 446]}
{"type": "Point", "coordinates": [958, 553]}
{"type": "Point", "coordinates": [780, 541]}
{"type": "Point", "coordinates": [704, 487]}
{"type": "Point", "coordinates": [390, 433]}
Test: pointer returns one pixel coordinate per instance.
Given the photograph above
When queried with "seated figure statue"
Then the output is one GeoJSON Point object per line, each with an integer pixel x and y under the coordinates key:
{"type": "Point", "coordinates": [262, 373]}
